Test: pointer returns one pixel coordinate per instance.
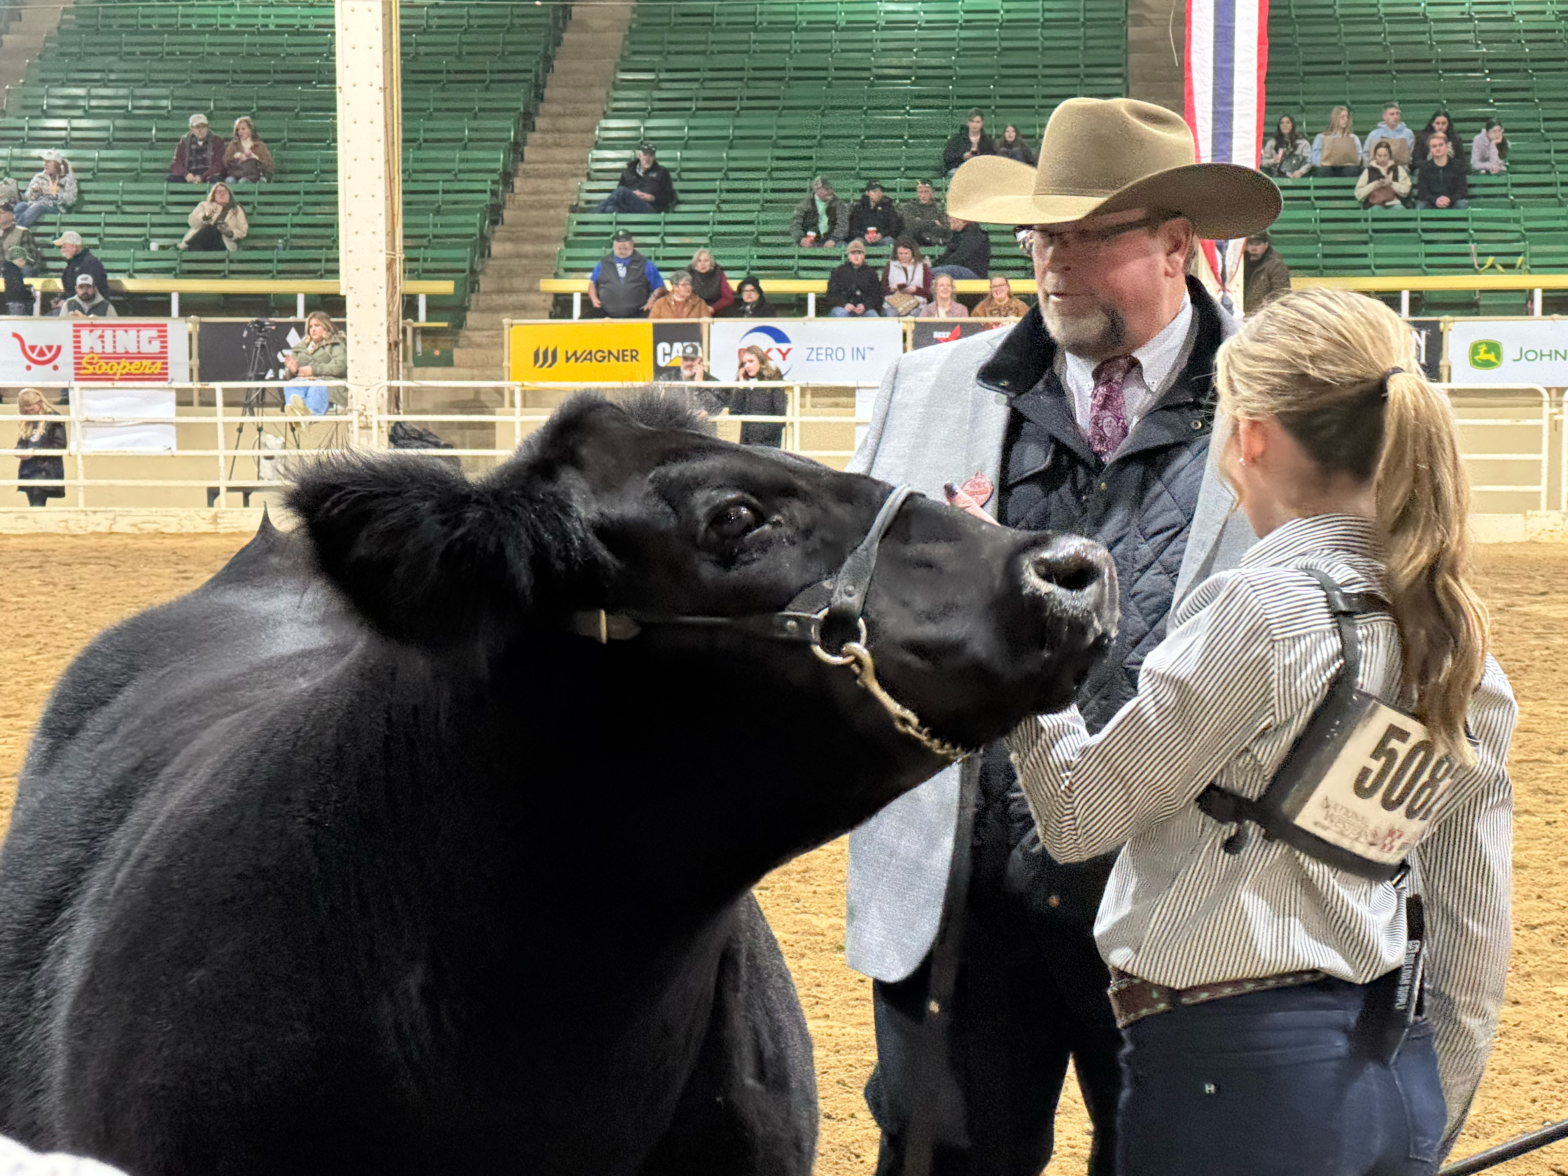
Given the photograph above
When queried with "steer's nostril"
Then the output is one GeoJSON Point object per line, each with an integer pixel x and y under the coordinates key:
{"type": "Point", "coordinates": [1071, 573]}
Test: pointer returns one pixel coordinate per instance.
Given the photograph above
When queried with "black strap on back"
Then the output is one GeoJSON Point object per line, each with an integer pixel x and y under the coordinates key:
{"type": "Point", "coordinates": [1228, 808]}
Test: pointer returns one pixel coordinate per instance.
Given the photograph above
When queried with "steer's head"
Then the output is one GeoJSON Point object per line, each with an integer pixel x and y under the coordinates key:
{"type": "Point", "coordinates": [718, 731]}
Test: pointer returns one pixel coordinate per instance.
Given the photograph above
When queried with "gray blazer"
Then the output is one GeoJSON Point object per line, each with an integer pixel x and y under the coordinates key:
{"type": "Point", "coordinates": [934, 423]}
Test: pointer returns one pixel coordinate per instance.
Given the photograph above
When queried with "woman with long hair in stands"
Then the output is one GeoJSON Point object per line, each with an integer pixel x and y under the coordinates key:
{"type": "Point", "coordinates": [1308, 791]}
{"type": "Point", "coordinates": [1337, 149]}
{"type": "Point", "coordinates": [40, 435]}
{"type": "Point", "coordinates": [1440, 123]}
{"type": "Point", "coordinates": [1489, 149]}
{"type": "Point", "coordinates": [944, 304]}
{"type": "Point", "coordinates": [1286, 153]}
{"type": "Point", "coordinates": [709, 282]}
{"type": "Point", "coordinates": [247, 159]}
{"type": "Point", "coordinates": [217, 224]}
{"type": "Point", "coordinates": [771, 402]}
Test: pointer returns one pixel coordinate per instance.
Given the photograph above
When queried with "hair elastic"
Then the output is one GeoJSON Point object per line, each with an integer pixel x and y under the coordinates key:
{"type": "Point", "coordinates": [1388, 375]}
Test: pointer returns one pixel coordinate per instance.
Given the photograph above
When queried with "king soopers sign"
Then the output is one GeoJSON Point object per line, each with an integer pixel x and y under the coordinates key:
{"type": "Point", "coordinates": [95, 351]}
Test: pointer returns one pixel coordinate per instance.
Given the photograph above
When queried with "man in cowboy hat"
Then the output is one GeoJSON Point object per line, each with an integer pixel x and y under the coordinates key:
{"type": "Point", "coordinates": [1093, 415]}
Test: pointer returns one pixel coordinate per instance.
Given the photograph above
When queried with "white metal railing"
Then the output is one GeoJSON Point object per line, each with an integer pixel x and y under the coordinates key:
{"type": "Point", "coordinates": [239, 450]}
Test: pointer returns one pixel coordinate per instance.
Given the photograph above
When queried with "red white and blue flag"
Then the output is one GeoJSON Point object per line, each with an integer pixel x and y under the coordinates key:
{"type": "Point", "coordinates": [1227, 61]}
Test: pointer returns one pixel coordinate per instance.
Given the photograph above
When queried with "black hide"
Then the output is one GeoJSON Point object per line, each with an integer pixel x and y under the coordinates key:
{"type": "Point", "coordinates": [355, 860]}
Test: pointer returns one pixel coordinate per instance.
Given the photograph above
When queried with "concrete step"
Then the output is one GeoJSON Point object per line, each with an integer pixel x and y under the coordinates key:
{"type": "Point", "coordinates": [503, 303]}
{"type": "Point", "coordinates": [576, 140]}
{"type": "Point", "coordinates": [558, 169]}
{"type": "Point", "coordinates": [525, 251]}
{"type": "Point", "coordinates": [488, 337]}
{"type": "Point", "coordinates": [479, 359]}
{"type": "Point", "coordinates": [585, 123]}
{"type": "Point", "coordinates": [538, 193]}
{"type": "Point", "coordinates": [511, 278]}
{"type": "Point", "coordinates": [553, 155]}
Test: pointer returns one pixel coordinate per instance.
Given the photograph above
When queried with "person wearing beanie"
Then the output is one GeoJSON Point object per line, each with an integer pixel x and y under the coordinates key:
{"type": "Point", "coordinates": [198, 157]}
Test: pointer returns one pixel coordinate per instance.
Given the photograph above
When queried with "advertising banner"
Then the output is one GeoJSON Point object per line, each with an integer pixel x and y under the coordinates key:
{"type": "Point", "coordinates": [232, 352]}
{"type": "Point", "coordinates": [669, 341]}
{"type": "Point", "coordinates": [610, 351]}
{"type": "Point", "coordinates": [95, 351]}
{"type": "Point", "coordinates": [142, 419]}
{"type": "Point", "coordinates": [813, 351]}
{"type": "Point", "coordinates": [1508, 351]}
{"type": "Point", "coordinates": [1427, 339]}
{"type": "Point", "coordinates": [930, 332]}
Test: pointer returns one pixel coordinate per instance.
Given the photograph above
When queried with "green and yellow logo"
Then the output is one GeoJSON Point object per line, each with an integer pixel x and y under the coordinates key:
{"type": "Point", "coordinates": [1486, 354]}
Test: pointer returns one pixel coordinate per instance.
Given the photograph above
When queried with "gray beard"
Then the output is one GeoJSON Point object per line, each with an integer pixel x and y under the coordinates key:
{"type": "Point", "coordinates": [1098, 335]}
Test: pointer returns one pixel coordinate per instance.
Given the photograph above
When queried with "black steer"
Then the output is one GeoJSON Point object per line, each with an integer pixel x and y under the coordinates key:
{"type": "Point", "coordinates": [361, 858]}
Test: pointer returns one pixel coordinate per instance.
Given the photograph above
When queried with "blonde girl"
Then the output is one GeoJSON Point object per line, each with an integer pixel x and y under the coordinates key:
{"type": "Point", "coordinates": [1337, 150]}
{"type": "Point", "coordinates": [1258, 984]}
{"type": "Point", "coordinates": [40, 435]}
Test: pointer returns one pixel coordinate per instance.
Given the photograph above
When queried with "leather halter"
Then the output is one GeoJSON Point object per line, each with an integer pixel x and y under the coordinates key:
{"type": "Point", "coordinates": [818, 613]}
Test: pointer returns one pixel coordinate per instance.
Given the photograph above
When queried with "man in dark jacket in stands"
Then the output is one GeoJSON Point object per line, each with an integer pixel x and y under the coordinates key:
{"type": "Point", "coordinates": [1265, 276]}
{"type": "Point", "coordinates": [925, 218]}
{"type": "Point", "coordinates": [1440, 181]}
{"type": "Point", "coordinates": [80, 260]}
{"type": "Point", "coordinates": [14, 236]}
{"type": "Point", "coordinates": [968, 253]}
{"type": "Point", "coordinates": [198, 158]}
{"type": "Point", "coordinates": [18, 299]}
{"type": "Point", "coordinates": [854, 288]}
{"type": "Point", "coordinates": [645, 186]}
{"type": "Point", "coordinates": [874, 219]}
{"type": "Point", "coordinates": [624, 284]}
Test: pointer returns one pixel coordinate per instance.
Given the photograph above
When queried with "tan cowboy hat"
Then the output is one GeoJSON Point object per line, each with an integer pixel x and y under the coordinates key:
{"type": "Point", "coordinates": [1103, 155]}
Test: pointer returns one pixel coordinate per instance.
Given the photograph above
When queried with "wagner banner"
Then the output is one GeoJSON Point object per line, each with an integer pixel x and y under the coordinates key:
{"type": "Point", "coordinates": [812, 351]}
{"type": "Point", "coordinates": [1508, 351]}
{"type": "Point", "coordinates": [94, 351]}
{"type": "Point", "coordinates": [572, 352]}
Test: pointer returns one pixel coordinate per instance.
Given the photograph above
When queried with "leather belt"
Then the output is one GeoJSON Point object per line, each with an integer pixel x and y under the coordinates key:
{"type": "Point", "coordinates": [1133, 999]}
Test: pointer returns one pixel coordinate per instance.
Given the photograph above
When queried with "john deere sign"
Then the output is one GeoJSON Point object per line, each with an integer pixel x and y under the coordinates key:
{"type": "Point", "coordinates": [1520, 351]}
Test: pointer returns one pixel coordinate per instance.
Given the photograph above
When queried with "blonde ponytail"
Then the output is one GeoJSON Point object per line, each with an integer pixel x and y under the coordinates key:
{"type": "Point", "coordinates": [1336, 370]}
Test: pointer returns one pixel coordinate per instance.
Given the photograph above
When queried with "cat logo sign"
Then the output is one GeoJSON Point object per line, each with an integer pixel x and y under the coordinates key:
{"type": "Point", "coordinates": [573, 352]}
{"type": "Point", "coordinates": [1486, 355]}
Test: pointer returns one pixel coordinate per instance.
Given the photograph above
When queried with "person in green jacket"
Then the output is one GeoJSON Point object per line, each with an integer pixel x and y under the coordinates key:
{"type": "Point", "coordinates": [321, 355]}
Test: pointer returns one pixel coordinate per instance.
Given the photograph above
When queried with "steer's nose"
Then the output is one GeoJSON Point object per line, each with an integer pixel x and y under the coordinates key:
{"type": "Point", "coordinates": [1077, 573]}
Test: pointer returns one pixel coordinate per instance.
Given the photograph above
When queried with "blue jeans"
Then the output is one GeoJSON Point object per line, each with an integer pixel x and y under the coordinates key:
{"type": "Point", "coordinates": [955, 272]}
{"type": "Point", "coordinates": [843, 312]}
{"type": "Point", "coordinates": [1272, 1084]}
{"type": "Point", "coordinates": [1456, 204]}
{"type": "Point", "coordinates": [29, 214]}
{"type": "Point", "coordinates": [623, 199]}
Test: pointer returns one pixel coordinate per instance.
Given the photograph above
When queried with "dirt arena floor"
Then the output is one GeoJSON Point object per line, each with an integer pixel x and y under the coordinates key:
{"type": "Point", "coordinates": [61, 590]}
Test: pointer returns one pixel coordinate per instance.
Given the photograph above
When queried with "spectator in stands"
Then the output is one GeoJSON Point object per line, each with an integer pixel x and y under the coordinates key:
{"type": "Point", "coordinates": [80, 260]}
{"type": "Point", "coordinates": [925, 218]}
{"type": "Point", "coordinates": [854, 288]}
{"type": "Point", "coordinates": [13, 236]}
{"type": "Point", "coordinates": [321, 355]}
{"type": "Point", "coordinates": [217, 223]}
{"type": "Point", "coordinates": [40, 435]}
{"type": "Point", "coordinates": [1441, 182]}
{"type": "Point", "coordinates": [88, 301]}
{"type": "Point", "coordinates": [752, 301]}
{"type": "Point", "coordinates": [1012, 145]}
{"type": "Point", "coordinates": [1384, 184]}
{"type": "Point", "coordinates": [694, 368]}
{"type": "Point", "coordinates": [943, 305]}
{"type": "Point", "coordinates": [247, 159]}
{"type": "Point", "coordinates": [18, 298]}
{"type": "Point", "coordinates": [755, 365]}
{"type": "Point", "coordinates": [874, 219]}
{"type": "Point", "coordinates": [906, 283]}
{"type": "Point", "coordinates": [1286, 155]}
{"type": "Point", "coordinates": [1489, 149]}
{"type": "Point", "coordinates": [1000, 302]}
{"type": "Point", "coordinates": [968, 252]}
{"type": "Point", "coordinates": [709, 283]}
{"type": "Point", "coordinates": [645, 186]}
{"type": "Point", "coordinates": [821, 218]}
{"type": "Point", "coordinates": [1401, 139]}
{"type": "Point", "coordinates": [50, 191]}
{"type": "Point", "coordinates": [1439, 124]}
{"type": "Point", "coordinates": [1337, 151]}
{"type": "Point", "coordinates": [624, 284]}
{"type": "Point", "coordinates": [678, 302]}
{"type": "Point", "coordinates": [1264, 274]}
{"type": "Point", "coordinates": [970, 141]}
{"type": "Point", "coordinates": [198, 157]}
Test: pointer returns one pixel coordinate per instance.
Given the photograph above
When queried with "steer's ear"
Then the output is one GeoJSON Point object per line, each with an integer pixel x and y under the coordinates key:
{"type": "Point", "coordinates": [424, 554]}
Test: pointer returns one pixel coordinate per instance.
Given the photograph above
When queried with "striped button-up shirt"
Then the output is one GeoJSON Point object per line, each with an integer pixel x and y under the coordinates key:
{"type": "Point", "coordinates": [1249, 656]}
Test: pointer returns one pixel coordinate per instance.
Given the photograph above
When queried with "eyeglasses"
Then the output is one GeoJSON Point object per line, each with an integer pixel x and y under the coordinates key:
{"type": "Point", "coordinates": [1048, 240]}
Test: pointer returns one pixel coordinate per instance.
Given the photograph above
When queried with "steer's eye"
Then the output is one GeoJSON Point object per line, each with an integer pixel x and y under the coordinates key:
{"type": "Point", "coordinates": [734, 520]}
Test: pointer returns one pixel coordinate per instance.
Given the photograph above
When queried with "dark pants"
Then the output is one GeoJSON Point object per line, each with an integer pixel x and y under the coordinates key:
{"type": "Point", "coordinates": [205, 240]}
{"type": "Point", "coordinates": [1272, 1084]}
{"type": "Point", "coordinates": [1350, 172]}
{"type": "Point", "coordinates": [1030, 995]}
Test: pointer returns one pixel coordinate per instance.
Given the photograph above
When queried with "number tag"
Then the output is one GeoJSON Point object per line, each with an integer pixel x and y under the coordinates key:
{"type": "Point", "coordinates": [1379, 791]}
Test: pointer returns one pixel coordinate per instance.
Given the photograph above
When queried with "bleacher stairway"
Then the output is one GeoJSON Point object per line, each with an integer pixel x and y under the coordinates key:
{"type": "Point", "coordinates": [555, 162]}
{"type": "Point", "coordinates": [25, 37]}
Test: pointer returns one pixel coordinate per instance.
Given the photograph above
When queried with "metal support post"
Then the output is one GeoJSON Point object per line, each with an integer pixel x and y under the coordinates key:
{"type": "Point", "coordinates": [1537, 310]}
{"type": "Point", "coordinates": [577, 304]}
{"type": "Point", "coordinates": [811, 306]}
{"type": "Point", "coordinates": [1404, 304]}
{"type": "Point", "coordinates": [299, 306]}
{"type": "Point", "coordinates": [174, 304]}
{"type": "Point", "coordinates": [370, 203]}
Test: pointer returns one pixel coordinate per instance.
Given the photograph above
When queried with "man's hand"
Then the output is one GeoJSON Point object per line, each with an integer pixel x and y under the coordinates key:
{"type": "Point", "coordinates": [648, 196]}
{"type": "Point", "coordinates": [192, 178]}
{"type": "Point", "coordinates": [829, 243]}
{"type": "Point", "coordinates": [593, 296]}
{"type": "Point", "coordinates": [652, 298]}
{"type": "Point", "coordinates": [1442, 202]}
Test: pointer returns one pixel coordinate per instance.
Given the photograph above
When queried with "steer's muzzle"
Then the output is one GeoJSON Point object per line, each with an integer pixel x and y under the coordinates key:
{"type": "Point", "coordinates": [1077, 578]}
